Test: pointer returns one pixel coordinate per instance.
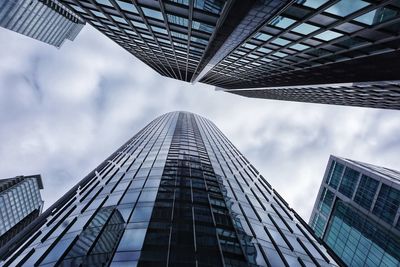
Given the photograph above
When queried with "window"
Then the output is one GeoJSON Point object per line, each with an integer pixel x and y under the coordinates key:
{"type": "Point", "coordinates": [127, 6]}
{"type": "Point", "coordinates": [366, 191]}
{"type": "Point", "coordinates": [299, 47]}
{"type": "Point", "coordinates": [104, 2]}
{"type": "Point", "coordinates": [346, 7]}
{"type": "Point", "coordinates": [152, 13]}
{"type": "Point", "coordinates": [328, 35]}
{"type": "Point", "coordinates": [178, 20]}
{"type": "Point", "coordinates": [263, 36]}
{"type": "Point", "coordinates": [349, 181]}
{"type": "Point", "coordinates": [305, 28]}
{"type": "Point", "coordinates": [282, 22]}
{"type": "Point", "coordinates": [387, 203]}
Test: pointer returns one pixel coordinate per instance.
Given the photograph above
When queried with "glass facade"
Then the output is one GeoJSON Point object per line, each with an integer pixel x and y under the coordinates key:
{"type": "Point", "coordinates": [44, 20]}
{"type": "Point", "coordinates": [357, 213]}
{"type": "Point", "coordinates": [326, 51]}
{"type": "Point", "coordinates": [178, 194]}
{"type": "Point", "coordinates": [20, 203]}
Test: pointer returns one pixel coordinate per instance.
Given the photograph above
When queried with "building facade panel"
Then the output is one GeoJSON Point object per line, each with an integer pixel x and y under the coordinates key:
{"type": "Point", "coordinates": [45, 20]}
{"type": "Point", "coordinates": [357, 213]}
{"type": "Point", "coordinates": [179, 194]}
{"type": "Point", "coordinates": [20, 204]}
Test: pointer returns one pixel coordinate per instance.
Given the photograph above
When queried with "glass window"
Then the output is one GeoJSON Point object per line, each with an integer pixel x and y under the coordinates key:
{"type": "Point", "coordinates": [349, 181]}
{"type": "Point", "coordinates": [119, 19]}
{"type": "Point", "coordinates": [77, 8]}
{"type": "Point", "coordinates": [263, 36]}
{"type": "Point", "coordinates": [130, 197]}
{"type": "Point", "coordinates": [312, 3]}
{"type": "Point", "coordinates": [366, 191]}
{"type": "Point", "coordinates": [299, 47]}
{"type": "Point", "coordinates": [104, 2]}
{"type": "Point", "coordinates": [152, 13]}
{"type": "Point", "coordinates": [335, 175]}
{"type": "Point", "coordinates": [178, 20]}
{"type": "Point", "coordinates": [140, 25]}
{"type": "Point", "coordinates": [127, 6]}
{"type": "Point", "coordinates": [377, 16]}
{"type": "Point", "coordinates": [346, 7]}
{"type": "Point", "coordinates": [264, 50]}
{"type": "Point", "coordinates": [202, 26]}
{"type": "Point", "coordinates": [132, 240]}
{"type": "Point", "coordinates": [387, 203]}
{"type": "Point", "coordinates": [280, 41]}
{"type": "Point", "coordinates": [305, 28]}
{"type": "Point", "coordinates": [249, 46]}
{"type": "Point", "coordinates": [141, 214]}
{"type": "Point", "coordinates": [328, 35]}
{"type": "Point", "coordinates": [98, 14]}
{"type": "Point", "coordinates": [279, 54]}
{"type": "Point", "coordinates": [282, 22]}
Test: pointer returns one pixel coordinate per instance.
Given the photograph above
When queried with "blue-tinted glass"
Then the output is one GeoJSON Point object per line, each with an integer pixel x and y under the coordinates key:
{"type": "Point", "coordinates": [387, 203]}
{"type": "Point", "coordinates": [263, 36]}
{"type": "Point", "coordinates": [178, 20]}
{"type": "Point", "coordinates": [141, 214]}
{"type": "Point", "coordinates": [328, 35]}
{"type": "Point", "coordinates": [280, 41]}
{"type": "Point", "coordinates": [366, 191]}
{"type": "Point", "coordinates": [119, 19]}
{"type": "Point", "coordinates": [299, 47]}
{"type": "Point", "coordinates": [282, 22]}
{"type": "Point", "coordinates": [305, 28]}
{"type": "Point", "coordinates": [158, 29]}
{"type": "Point", "coordinates": [140, 25]}
{"type": "Point", "coordinates": [213, 6]}
{"type": "Point", "coordinates": [349, 181]}
{"type": "Point", "coordinates": [346, 7]}
{"type": "Point", "coordinates": [359, 241]}
{"type": "Point", "coordinates": [202, 26]}
{"type": "Point", "coordinates": [132, 239]}
{"type": "Point", "coordinates": [98, 14]}
{"type": "Point", "coordinates": [104, 2]}
{"type": "Point", "coordinates": [335, 175]}
{"type": "Point", "coordinates": [326, 201]}
{"type": "Point", "coordinates": [152, 13]}
{"type": "Point", "coordinates": [312, 3]}
{"type": "Point", "coordinates": [127, 6]}
{"type": "Point", "coordinates": [377, 16]}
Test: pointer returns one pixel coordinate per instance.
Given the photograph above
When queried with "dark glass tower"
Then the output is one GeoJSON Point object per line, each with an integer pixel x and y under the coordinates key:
{"type": "Point", "coordinates": [357, 213]}
{"type": "Point", "coordinates": [177, 194]}
{"type": "Point", "coordinates": [285, 49]}
{"type": "Point", "coordinates": [20, 204]}
{"type": "Point", "coordinates": [44, 20]}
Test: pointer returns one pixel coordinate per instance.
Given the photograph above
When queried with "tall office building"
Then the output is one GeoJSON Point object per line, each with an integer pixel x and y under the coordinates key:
{"type": "Point", "coordinates": [177, 194]}
{"type": "Point", "coordinates": [20, 204]}
{"type": "Point", "coordinates": [275, 46]}
{"type": "Point", "coordinates": [357, 213]}
{"type": "Point", "coordinates": [44, 20]}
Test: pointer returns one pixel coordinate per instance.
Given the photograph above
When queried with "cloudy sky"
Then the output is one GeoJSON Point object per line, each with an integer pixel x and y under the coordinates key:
{"type": "Point", "coordinates": [63, 111]}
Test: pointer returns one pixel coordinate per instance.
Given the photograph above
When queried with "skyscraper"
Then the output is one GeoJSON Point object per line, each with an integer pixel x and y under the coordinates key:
{"type": "Point", "coordinates": [179, 194]}
{"type": "Point", "coordinates": [266, 44]}
{"type": "Point", "coordinates": [20, 204]}
{"type": "Point", "coordinates": [357, 213]}
{"type": "Point", "coordinates": [45, 20]}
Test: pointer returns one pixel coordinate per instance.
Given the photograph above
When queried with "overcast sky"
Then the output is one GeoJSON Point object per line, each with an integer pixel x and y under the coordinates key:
{"type": "Point", "coordinates": [63, 111]}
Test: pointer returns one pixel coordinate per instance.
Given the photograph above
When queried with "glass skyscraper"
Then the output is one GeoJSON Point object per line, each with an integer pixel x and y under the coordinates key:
{"type": "Point", "coordinates": [178, 193]}
{"type": "Point", "coordinates": [357, 213]}
{"type": "Point", "coordinates": [323, 51]}
{"type": "Point", "coordinates": [44, 20]}
{"type": "Point", "coordinates": [20, 204]}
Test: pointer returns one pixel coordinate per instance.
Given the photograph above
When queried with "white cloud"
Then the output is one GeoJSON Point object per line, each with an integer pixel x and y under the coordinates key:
{"type": "Point", "coordinates": [64, 111]}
